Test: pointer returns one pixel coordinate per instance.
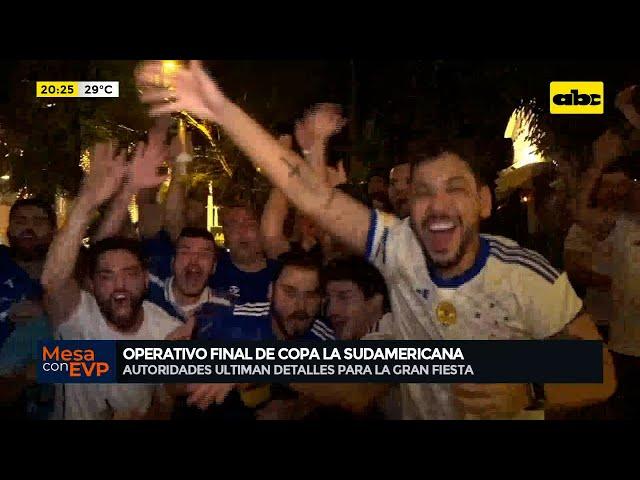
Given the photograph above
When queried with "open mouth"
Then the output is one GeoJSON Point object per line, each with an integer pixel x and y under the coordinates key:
{"type": "Point", "coordinates": [441, 233]}
{"type": "Point", "coordinates": [193, 275]}
{"type": "Point", "coordinates": [120, 299]}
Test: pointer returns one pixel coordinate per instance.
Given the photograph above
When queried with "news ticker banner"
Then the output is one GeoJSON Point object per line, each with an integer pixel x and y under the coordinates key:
{"type": "Point", "coordinates": [78, 89]}
{"type": "Point", "coordinates": [105, 361]}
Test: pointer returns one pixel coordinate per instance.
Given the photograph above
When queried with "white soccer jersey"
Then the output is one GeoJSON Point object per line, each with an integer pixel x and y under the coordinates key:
{"type": "Point", "coordinates": [94, 401]}
{"type": "Point", "coordinates": [510, 293]}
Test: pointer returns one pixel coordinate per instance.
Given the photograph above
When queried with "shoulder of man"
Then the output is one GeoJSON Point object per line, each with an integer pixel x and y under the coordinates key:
{"type": "Point", "coordinates": [383, 330]}
{"type": "Point", "coordinates": [210, 315]}
{"type": "Point", "coordinates": [160, 323]}
{"type": "Point", "coordinates": [156, 294]}
{"type": "Point", "coordinates": [384, 229]}
{"type": "Point", "coordinates": [320, 330]}
{"type": "Point", "coordinates": [547, 299]}
{"type": "Point", "coordinates": [84, 322]}
{"type": "Point", "coordinates": [508, 255]}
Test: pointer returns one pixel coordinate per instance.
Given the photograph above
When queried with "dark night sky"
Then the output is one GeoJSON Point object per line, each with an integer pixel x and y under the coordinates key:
{"type": "Point", "coordinates": [397, 91]}
{"type": "Point", "coordinates": [5, 69]}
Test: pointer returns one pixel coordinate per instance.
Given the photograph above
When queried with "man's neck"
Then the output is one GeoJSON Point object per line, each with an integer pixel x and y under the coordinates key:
{"type": "Point", "coordinates": [467, 261]}
{"type": "Point", "coordinates": [130, 330]}
{"type": "Point", "coordinates": [182, 299]}
{"type": "Point", "coordinates": [250, 266]}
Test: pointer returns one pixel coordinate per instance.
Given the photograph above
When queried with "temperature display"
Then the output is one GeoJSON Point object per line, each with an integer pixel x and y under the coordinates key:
{"type": "Point", "coordinates": [99, 89]}
{"type": "Point", "coordinates": [78, 89]}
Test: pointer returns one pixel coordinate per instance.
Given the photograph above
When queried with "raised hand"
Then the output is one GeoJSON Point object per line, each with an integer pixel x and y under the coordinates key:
{"type": "Point", "coordinates": [319, 124]}
{"type": "Point", "coordinates": [625, 97]}
{"type": "Point", "coordinates": [184, 332]}
{"type": "Point", "coordinates": [286, 141]}
{"type": "Point", "coordinates": [327, 120]}
{"type": "Point", "coordinates": [190, 89]}
{"type": "Point", "coordinates": [491, 401]}
{"type": "Point", "coordinates": [203, 395]}
{"type": "Point", "coordinates": [143, 170]}
{"type": "Point", "coordinates": [624, 103]}
{"type": "Point", "coordinates": [607, 148]}
{"type": "Point", "coordinates": [336, 175]}
{"type": "Point", "coordinates": [106, 173]}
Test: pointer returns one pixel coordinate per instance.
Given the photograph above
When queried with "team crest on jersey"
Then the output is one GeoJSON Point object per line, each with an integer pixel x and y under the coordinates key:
{"type": "Point", "coordinates": [9, 282]}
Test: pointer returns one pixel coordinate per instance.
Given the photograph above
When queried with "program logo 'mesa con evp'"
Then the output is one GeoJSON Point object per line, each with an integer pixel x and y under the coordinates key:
{"type": "Point", "coordinates": [576, 98]}
{"type": "Point", "coordinates": [80, 361]}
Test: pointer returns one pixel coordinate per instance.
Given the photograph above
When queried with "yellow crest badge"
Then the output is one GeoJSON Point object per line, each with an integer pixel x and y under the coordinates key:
{"type": "Point", "coordinates": [446, 313]}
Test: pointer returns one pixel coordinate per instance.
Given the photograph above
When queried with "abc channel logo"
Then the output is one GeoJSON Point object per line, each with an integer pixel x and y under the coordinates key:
{"type": "Point", "coordinates": [576, 98]}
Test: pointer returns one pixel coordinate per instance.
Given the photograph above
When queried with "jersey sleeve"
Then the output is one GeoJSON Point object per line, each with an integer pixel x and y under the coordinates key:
{"type": "Point", "coordinates": [78, 325]}
{"type": "Point", "coordinates": [549, 305]}
{"type": "Point", "coordinates": [379, 239]}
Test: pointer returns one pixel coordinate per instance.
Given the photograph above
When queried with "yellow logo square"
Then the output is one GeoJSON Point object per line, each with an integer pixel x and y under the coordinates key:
{"type": "Point", "coordinates": [576, 97]}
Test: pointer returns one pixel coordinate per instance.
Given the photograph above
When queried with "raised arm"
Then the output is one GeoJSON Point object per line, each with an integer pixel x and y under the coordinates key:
{"type": "Point", "coordinates": [272, 224]}
{"type": "Point", "coordinates": [624, 103]}
{"type": "Point", "coordinates": [313, 132]}
{"type": "Point", "coordinates": [61, 291]}
{"type": "Point", "coordinates": [355, 397]}
{"type": "Point", "coordinates": [274, 215]}
{"type": "Point", "coordinates": [606, 148]}
{"type": "Point", "coordinates": [150, 213]}
{"type": "Point", "coordinates": [194, 91]}
{"type": "Point", "coordinates": [141, 173]}
{"type": "Point", "coordinates": [175, 203]}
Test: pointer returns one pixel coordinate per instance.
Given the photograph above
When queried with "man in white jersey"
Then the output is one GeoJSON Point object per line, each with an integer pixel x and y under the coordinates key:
{"type": "Point", "coordinates": [621, 227]}
{"type": "Point", "coordinates": [445, 280]}
{"type": "Point", "coordinates": [115, 308]}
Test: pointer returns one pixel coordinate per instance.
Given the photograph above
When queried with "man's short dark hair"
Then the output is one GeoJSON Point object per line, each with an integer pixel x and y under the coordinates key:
{"type": "Point", "coordinates": [357, 270]}
{"type": "Point", "coordinates": [244, 204]}
{"type": "Point", "coordinates": [469, 150]}
{"type": "Point", "coordinates": [131, 245]}
{"type": "Point", "coordinates": [378, 172]}
{"type": "Point", "coordinates": [195, 232]}
{"type": "Point", "coordinates": [34, 202]}
{"type": "Point", "coordinates": [297, 259]}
